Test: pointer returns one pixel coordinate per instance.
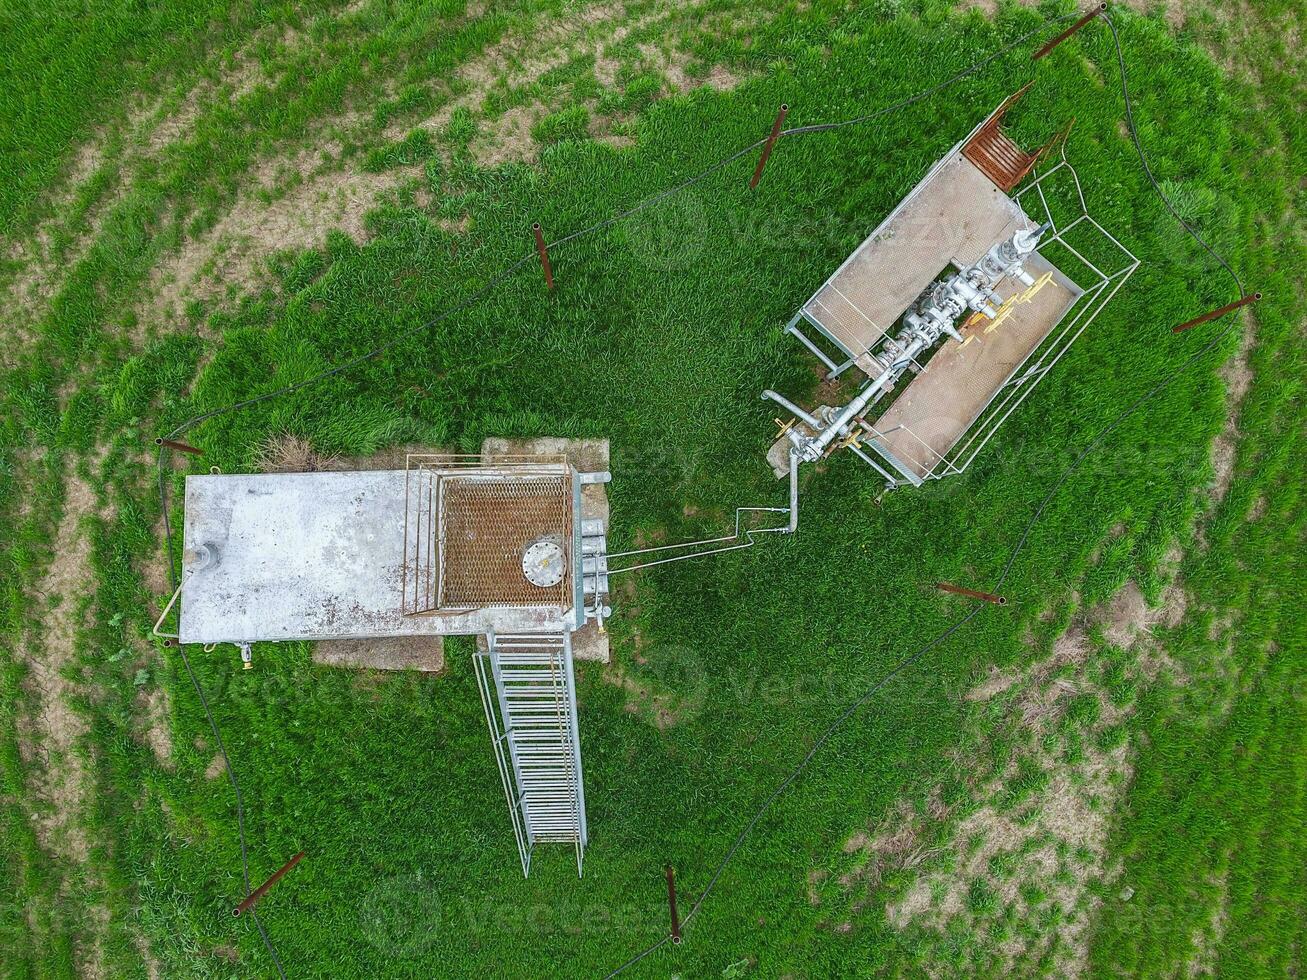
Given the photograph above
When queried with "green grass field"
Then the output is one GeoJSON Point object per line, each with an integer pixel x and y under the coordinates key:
{"type": "Point", "coordinates": [203, 202]}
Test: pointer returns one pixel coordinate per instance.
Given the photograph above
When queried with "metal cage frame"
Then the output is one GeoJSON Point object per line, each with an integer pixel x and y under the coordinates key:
{"type": "Point", "coordinates": [430, 481]}
{"type": "Point", "coordinates": [1072, 234]}
{"type": "Point", "coordinates": [1104, 285]}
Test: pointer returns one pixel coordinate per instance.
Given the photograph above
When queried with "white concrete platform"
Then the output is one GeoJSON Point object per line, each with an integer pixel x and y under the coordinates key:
{"type": "Point", "coordinates": [310, 556]}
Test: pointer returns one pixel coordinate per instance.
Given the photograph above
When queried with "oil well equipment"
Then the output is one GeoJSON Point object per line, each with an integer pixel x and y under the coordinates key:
{"type": "Point", "coordinates": [497, 547]}
{"type": "Point", "coordinates": [953, 309]}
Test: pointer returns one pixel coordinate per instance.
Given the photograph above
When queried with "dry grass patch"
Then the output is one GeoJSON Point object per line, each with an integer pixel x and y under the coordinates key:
{"type": "Point", "coordinates": [1032, 842]}
{"type": "Point", "coordinates": [288, 453]}
{"type": "Point", "coordinates": [53, 738]}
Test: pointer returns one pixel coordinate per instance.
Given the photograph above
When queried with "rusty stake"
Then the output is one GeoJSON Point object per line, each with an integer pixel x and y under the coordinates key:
{"type": "Point", "coordinates": [1216, 313]}
{"type": "Point", "coordinates": [671, 903]}
{"type": "Point", "coordinates": [1099, 9]}
{"type": "Point", "coordinates": [998, 600]}
{"type": "Point", "coordinates": [544, 255]}
{"type": "Point", "coordinates": [181, 446]}
{"type": "Point", "coordinates": [262, 890]}
{"type": "Point", "coordinates": [771, 141]}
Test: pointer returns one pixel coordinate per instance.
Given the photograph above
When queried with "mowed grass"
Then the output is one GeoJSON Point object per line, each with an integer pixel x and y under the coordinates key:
{"type": "Point", "coordinates": [661, 334]}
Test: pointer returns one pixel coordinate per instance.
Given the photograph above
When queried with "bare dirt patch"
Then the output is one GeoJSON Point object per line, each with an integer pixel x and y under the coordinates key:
{"type": "Point", "coordinates": [1035, 837]}
{"type": "Point", "coordinates": [215, 768]}
{"type": "Point", "coordinates": [1238, 377]}
{"type": "Point", "coordinates": [153, 708]}
{"type": "Point", "coordinates": [421, 653]}
{"type": "Point", "coordinates": [659, 707]}
{"type": "Point", "coordinates": [1207, 938]}
{"type": "Point", "coordinates": [231, 255]}
{"type": "Point", "coordinates": [62, 786]}
{"type": "Point", "coordinates": [997, 682]}
{"type": "Point", "coordinates": [151, 127]}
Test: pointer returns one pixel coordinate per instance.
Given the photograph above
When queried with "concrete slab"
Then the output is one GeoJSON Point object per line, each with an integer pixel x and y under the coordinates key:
{"type": "Point", "coordinates": [311, 556]}
{"type": "Point", "coordinates": [422, 653]}
{"type": "Point", "coordinates": [778, 455]}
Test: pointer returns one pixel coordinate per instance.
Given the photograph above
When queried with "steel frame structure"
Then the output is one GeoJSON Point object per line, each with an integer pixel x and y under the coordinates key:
{"type": "Point", "coordinates": [430, 483]}
{"type": "Point", "coordinates": [525, 673]}
{"type": "Point", "coordinates": [1073, 234]}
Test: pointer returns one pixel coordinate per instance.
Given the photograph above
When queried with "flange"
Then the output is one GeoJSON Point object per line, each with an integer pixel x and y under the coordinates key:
{"type": "Point", "coordinates": [542, 563]}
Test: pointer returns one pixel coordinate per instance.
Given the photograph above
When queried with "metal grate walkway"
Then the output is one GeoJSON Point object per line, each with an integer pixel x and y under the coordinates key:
{"type": "Point", "coordinates": [529, 694]}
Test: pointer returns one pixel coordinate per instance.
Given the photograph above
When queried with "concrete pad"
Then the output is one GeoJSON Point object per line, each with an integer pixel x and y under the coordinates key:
{"type": "Point", "coordinates": [312, 556]}
{"type": "Point", "coordinates": [954, 215]}
{"type": "Point", "coordinates": [589, 644]}
{"type": "Point", "coordinates": [779, 453]}
{"type": "Point", "coordinates": [585, 456]}
{"type": "Point", "coordinates": [422, 653]}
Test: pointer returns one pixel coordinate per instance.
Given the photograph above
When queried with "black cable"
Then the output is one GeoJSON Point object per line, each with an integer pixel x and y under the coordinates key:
{"type": "Point", "coordinates": [240, 806]}
{"type": "Point", "coordinates": [469, 301]}
{"type": "Point", "coordinates": [612, 220]}
{"type": "Point", "coordinates": [803, 130]}
{"type": "Point", "coordinates": [1093, 444]}
{"type": "Point", "coordinates": [1143, 160]}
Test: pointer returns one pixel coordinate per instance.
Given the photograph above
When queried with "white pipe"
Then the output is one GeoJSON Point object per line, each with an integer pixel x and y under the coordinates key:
{"type": "Point", "coordinates": [856, 407]}
{"type": "Point", "coordinates": [794, 490]}
{"type": "Point", "coordinates": [790, 407]}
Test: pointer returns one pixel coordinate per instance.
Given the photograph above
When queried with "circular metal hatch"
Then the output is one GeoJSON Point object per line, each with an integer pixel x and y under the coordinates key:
{"type": "Point", "coordinates": [542, 563]}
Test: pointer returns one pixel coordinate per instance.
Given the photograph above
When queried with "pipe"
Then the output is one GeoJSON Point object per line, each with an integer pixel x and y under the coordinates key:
{"type": "Point", "coordinates": [771, 141]}
{"type": "Point", "coordinates": [158, 623]}
{"type": "Point", "coordinates": [859, 405]}
{"type": "Point", "coordinates": [1180, 328]}
{"type": "Point", "coordinates": [671, 904]}
{"type": "Point", "coordinates": [794, 491]}
{"type": "Point", "coordinates": [1098, 9]}
{"type": "Point", "coordinates": [790, 407]}
{"type": "Point", "coordinates": [262, 890]}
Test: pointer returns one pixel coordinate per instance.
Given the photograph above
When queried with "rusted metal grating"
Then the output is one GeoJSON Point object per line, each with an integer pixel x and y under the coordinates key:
{"type": "Point", "coordinates": [468, 523]}
{"type": "Point", "coordinates": [997, 156]}
{"type": "Point", "coordinates": [487, 525]}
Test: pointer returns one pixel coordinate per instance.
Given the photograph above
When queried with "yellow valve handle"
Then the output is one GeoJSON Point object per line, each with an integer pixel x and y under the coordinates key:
{"type": "Point", "coordinates": [1035, 287]}
{"type": "Point", "coordinates": [1004, 312]}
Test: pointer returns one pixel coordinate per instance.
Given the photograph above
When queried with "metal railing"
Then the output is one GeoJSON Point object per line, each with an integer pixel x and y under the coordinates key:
{"type": "Point", "coordinates": [528, 690]}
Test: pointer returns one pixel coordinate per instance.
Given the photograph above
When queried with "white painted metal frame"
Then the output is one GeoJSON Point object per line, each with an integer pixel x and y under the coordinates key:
{"type": "Point", "coordinates": [1026, 375]}
{"type": "Point", "coordinates": [527, 684]}
{"type": "Point", "coordinates": [792, 327]}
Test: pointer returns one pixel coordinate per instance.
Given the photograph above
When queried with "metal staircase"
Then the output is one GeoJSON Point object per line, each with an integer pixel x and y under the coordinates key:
{"type": "Point", "coordinates": [529, 694]}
